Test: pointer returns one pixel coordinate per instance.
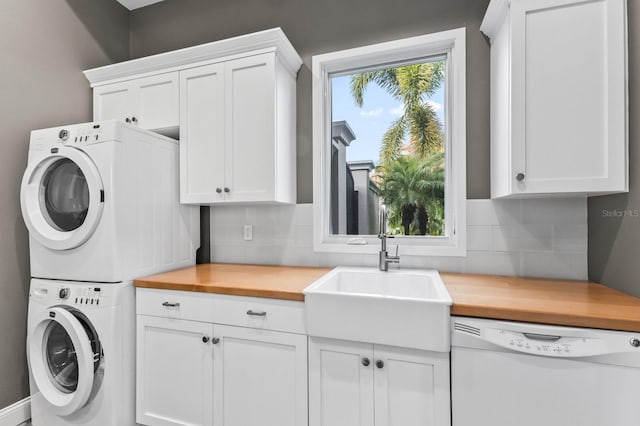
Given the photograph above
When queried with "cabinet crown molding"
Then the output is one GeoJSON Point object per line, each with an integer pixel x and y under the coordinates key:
{"type": "Point", "coordinates": [494, 16]}
{"type": "Point", "coordinates": [273, 39]}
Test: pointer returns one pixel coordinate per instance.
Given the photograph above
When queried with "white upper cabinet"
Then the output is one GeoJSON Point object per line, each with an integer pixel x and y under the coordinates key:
{"type": "Point", "coordinates": [231, 102]}
{"type": "Point", "coordinates": [237, 132]}
{"type": "Point", "coordinates": [149, 102]}
{"type": "Point", "coordinates": [558, 97]}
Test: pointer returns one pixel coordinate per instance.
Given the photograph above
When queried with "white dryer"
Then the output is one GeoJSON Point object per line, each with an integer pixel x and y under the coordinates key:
{"type": "Point", "coordinates": [101, 203]}
{"type": "Point", "coordinates": [81, 353]}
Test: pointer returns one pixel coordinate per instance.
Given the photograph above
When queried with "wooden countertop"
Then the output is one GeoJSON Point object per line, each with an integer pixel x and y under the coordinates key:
{"type": "Point", "coordinates": [276, 282]}
{"type": "Point", "coordinates": [558, 302]}
{"type": "Point", "coordinates": [548, 301]}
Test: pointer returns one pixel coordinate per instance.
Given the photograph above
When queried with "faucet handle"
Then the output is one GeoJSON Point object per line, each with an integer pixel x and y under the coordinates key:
{"type": "Point", "coordinates": [397, 250]}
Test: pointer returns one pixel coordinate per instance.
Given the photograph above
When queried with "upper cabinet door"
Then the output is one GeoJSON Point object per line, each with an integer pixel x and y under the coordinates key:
{"type": "Point", "coordinates": [148, 102]}
{"type": "Point", "coordinates": [157, 101]}
{"type": "Point", "coordinates": [559, 98]}
{"type": "Point", "coordinates": [111, 101]}
{"type": "Point", "coordinates": [202, 134]}
{"type": "Point", "coordinates": [250, 148]}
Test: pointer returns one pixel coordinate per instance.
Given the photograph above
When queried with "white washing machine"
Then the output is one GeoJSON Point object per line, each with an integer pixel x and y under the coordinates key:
{"type": "Point", "coordinates": [101, 203]}
{"type": "Point", "coordinates": [81, 353]}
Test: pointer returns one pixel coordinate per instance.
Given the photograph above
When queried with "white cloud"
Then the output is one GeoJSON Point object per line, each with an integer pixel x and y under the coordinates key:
{"type": "Point", "coordinates": [371, 113]}
{"type": "Point", "coordinates": [397, 111]}
{"type": "Point", "coordinates": [435, 105]}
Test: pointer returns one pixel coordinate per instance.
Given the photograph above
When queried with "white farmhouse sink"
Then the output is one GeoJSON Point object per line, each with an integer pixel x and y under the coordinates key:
{"type": "Point", "coordinates": [407, 308]}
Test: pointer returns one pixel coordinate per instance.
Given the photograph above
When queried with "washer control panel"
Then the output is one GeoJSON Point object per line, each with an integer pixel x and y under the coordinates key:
{"type": "Point", "coordinates": [87, 296]}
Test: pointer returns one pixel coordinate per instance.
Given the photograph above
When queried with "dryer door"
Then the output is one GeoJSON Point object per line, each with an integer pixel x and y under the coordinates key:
{"type": "Point", "coordinates": [62, 198]}
{"type": "Point", "coordinates": [64, 357]}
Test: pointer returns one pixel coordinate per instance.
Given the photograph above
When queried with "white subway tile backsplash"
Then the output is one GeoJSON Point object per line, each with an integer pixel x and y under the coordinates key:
{"type": "Point", "coordinates": [537, 238]}
{"type": "Point", "coordinates": [492, 263]}
{"type": "Point", "coordinates": [550, 265]}
{"type": "Point", "coordinates": [570, 238]}
{"type": "Point", "coordinates": [479, 238]}
{"type": "Point", "coordinates": [557, 211]}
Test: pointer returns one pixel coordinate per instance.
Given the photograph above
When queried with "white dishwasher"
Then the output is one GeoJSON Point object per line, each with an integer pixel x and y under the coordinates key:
{"type": "Point", "coordinates": [519, 374]}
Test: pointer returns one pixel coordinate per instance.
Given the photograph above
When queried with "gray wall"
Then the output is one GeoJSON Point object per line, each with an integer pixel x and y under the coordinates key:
{"type": "Point", "coordinates": [45, 45]}
{"type": "Point", "coordinates": [614, 242]}
{"type": "Point", "coordinates": [322, 26]}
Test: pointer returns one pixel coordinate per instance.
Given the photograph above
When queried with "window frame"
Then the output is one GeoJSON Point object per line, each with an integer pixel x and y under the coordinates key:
{"type": "Point", "coordinates": [450, 43]}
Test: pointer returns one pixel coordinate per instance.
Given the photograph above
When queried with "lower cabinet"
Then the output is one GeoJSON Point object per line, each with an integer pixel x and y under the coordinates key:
{"type": "Point", "coordinates": [260, 378]}
{"type": "Point", "coordinates": [174, 372]}
{"type": "Point", "coordinates": [198, 373]}
{"type": "Point", "coordinates": [358, 384]}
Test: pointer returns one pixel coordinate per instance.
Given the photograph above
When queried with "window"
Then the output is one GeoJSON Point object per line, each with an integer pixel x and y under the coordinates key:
{"type": "Point", "coordinates": [389, 127]}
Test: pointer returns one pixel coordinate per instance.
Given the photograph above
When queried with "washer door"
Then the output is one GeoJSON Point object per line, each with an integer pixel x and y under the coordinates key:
{"type": "Point", "coordinates": [64, 356]}
{"type": "Point", "coordinates": [62, 198]}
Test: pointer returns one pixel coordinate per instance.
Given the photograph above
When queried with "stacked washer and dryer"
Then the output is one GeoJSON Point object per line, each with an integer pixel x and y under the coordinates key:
{"type": "Point", "coordinates": [101, 203]}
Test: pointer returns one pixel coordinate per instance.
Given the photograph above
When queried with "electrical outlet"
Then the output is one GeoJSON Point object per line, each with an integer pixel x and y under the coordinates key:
{"type": "Point", "coordinates": [248, 232]}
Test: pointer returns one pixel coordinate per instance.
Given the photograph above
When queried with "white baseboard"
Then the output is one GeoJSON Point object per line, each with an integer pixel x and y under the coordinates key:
{"type": "Point", "coordinates": [16, 414]}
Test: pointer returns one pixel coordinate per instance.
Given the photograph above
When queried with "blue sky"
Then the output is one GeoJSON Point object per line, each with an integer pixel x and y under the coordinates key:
{"type": "Point", "coordinates": [370, 122]}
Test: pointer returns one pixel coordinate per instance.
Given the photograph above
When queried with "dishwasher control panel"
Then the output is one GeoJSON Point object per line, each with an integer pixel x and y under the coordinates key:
{"type": "Point", "coordinates": [544, 344]}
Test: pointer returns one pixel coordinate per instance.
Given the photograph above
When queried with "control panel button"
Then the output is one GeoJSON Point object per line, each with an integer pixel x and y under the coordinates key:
{"type": "Point", "coordinates": [64, 293]}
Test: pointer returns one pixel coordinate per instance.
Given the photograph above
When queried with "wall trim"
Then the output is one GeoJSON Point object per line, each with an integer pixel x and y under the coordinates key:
{"type": "Point", "coordinates": [16, 413]}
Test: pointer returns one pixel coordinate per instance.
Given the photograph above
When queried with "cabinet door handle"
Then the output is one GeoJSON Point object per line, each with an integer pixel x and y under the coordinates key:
{"type": "Point", "coordinates": [520, 177]}
{"type": "Point", "coordinates": [219, 190]}
{"type": "Point", "coordinates": [171, 305]}
{"type": "Point", "coordinates": [128, 120]}
{"type": "Point", "coordinates": [205, 339]}
{"type": "Point", "coordinates": [227, 190]}
{"type": "Point", "coordinates": [379, 363]}
{"type": "Point", "coordinates": [365, 361]}
{"type": "Point", "coordinates": [257, 313]}
{"type": "Point", "coordinates": [134, 120]}
{"type": "Point", "coordinates": [215, 340]}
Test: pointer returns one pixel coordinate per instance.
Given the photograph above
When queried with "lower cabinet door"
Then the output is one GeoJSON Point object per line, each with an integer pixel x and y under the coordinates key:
{"type": "Point", "coordinates": [411, 387]}
{"type": "Point", "coordinates": [340, 383]}
{"type": "Point", "coordinates": [174, 377]}
{"type": "Point", "coordinates": [260, 377]}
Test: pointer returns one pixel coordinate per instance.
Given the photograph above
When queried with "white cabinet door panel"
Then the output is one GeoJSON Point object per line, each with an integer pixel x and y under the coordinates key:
{"type": "Point", "coordinates": [411, 387]}
{"type": "Point", "coordinates": [112, 102]}
{"type": "Point", "coordinates": [260, 377]}
{"type": "Point", "coordinates": [174, 372]}
{"type": "Point", "coordinates": [340, 386]}
{"type": "Point", "coordinates": [250, 131]}
{"type": "Point", "coordinates": [158, 101]}
{"type": "Point", "coordinates": [202, 134]}
{"type": "Point", "coordinates": [559, 97]}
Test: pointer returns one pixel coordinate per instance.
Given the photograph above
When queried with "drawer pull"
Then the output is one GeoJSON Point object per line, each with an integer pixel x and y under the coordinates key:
{"type": "Point", "coordinates": [257, 313]}
{"type": "Point", "coordinates": [171, 305]}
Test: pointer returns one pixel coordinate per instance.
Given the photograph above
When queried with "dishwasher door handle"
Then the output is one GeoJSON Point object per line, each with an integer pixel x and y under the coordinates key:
{"type": "Point", "coordinates": [542, 337]}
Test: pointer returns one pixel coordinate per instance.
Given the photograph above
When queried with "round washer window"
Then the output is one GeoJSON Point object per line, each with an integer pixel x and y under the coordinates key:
{"type": "Point", "coordinates": [64, 195]}
{"type": "Point", "coordinates": [61, 358]}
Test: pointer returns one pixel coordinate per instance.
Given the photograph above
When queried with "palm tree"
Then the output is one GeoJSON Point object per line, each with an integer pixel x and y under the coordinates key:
{"type": "Point", "coordinates": [412, 187]}
{"type": "Point", "coordinates": [409, 84]}
{"type": "Point", "coordinates": [430, 202]}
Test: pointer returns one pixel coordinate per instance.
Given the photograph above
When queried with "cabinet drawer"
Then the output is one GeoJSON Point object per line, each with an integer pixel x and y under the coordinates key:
{"type": "Point", "coordinates": [184, 305]}
{"type": "Point", "coordinates": [256, 312]}
{"type": "Point", "coordinates": [241, 311]}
